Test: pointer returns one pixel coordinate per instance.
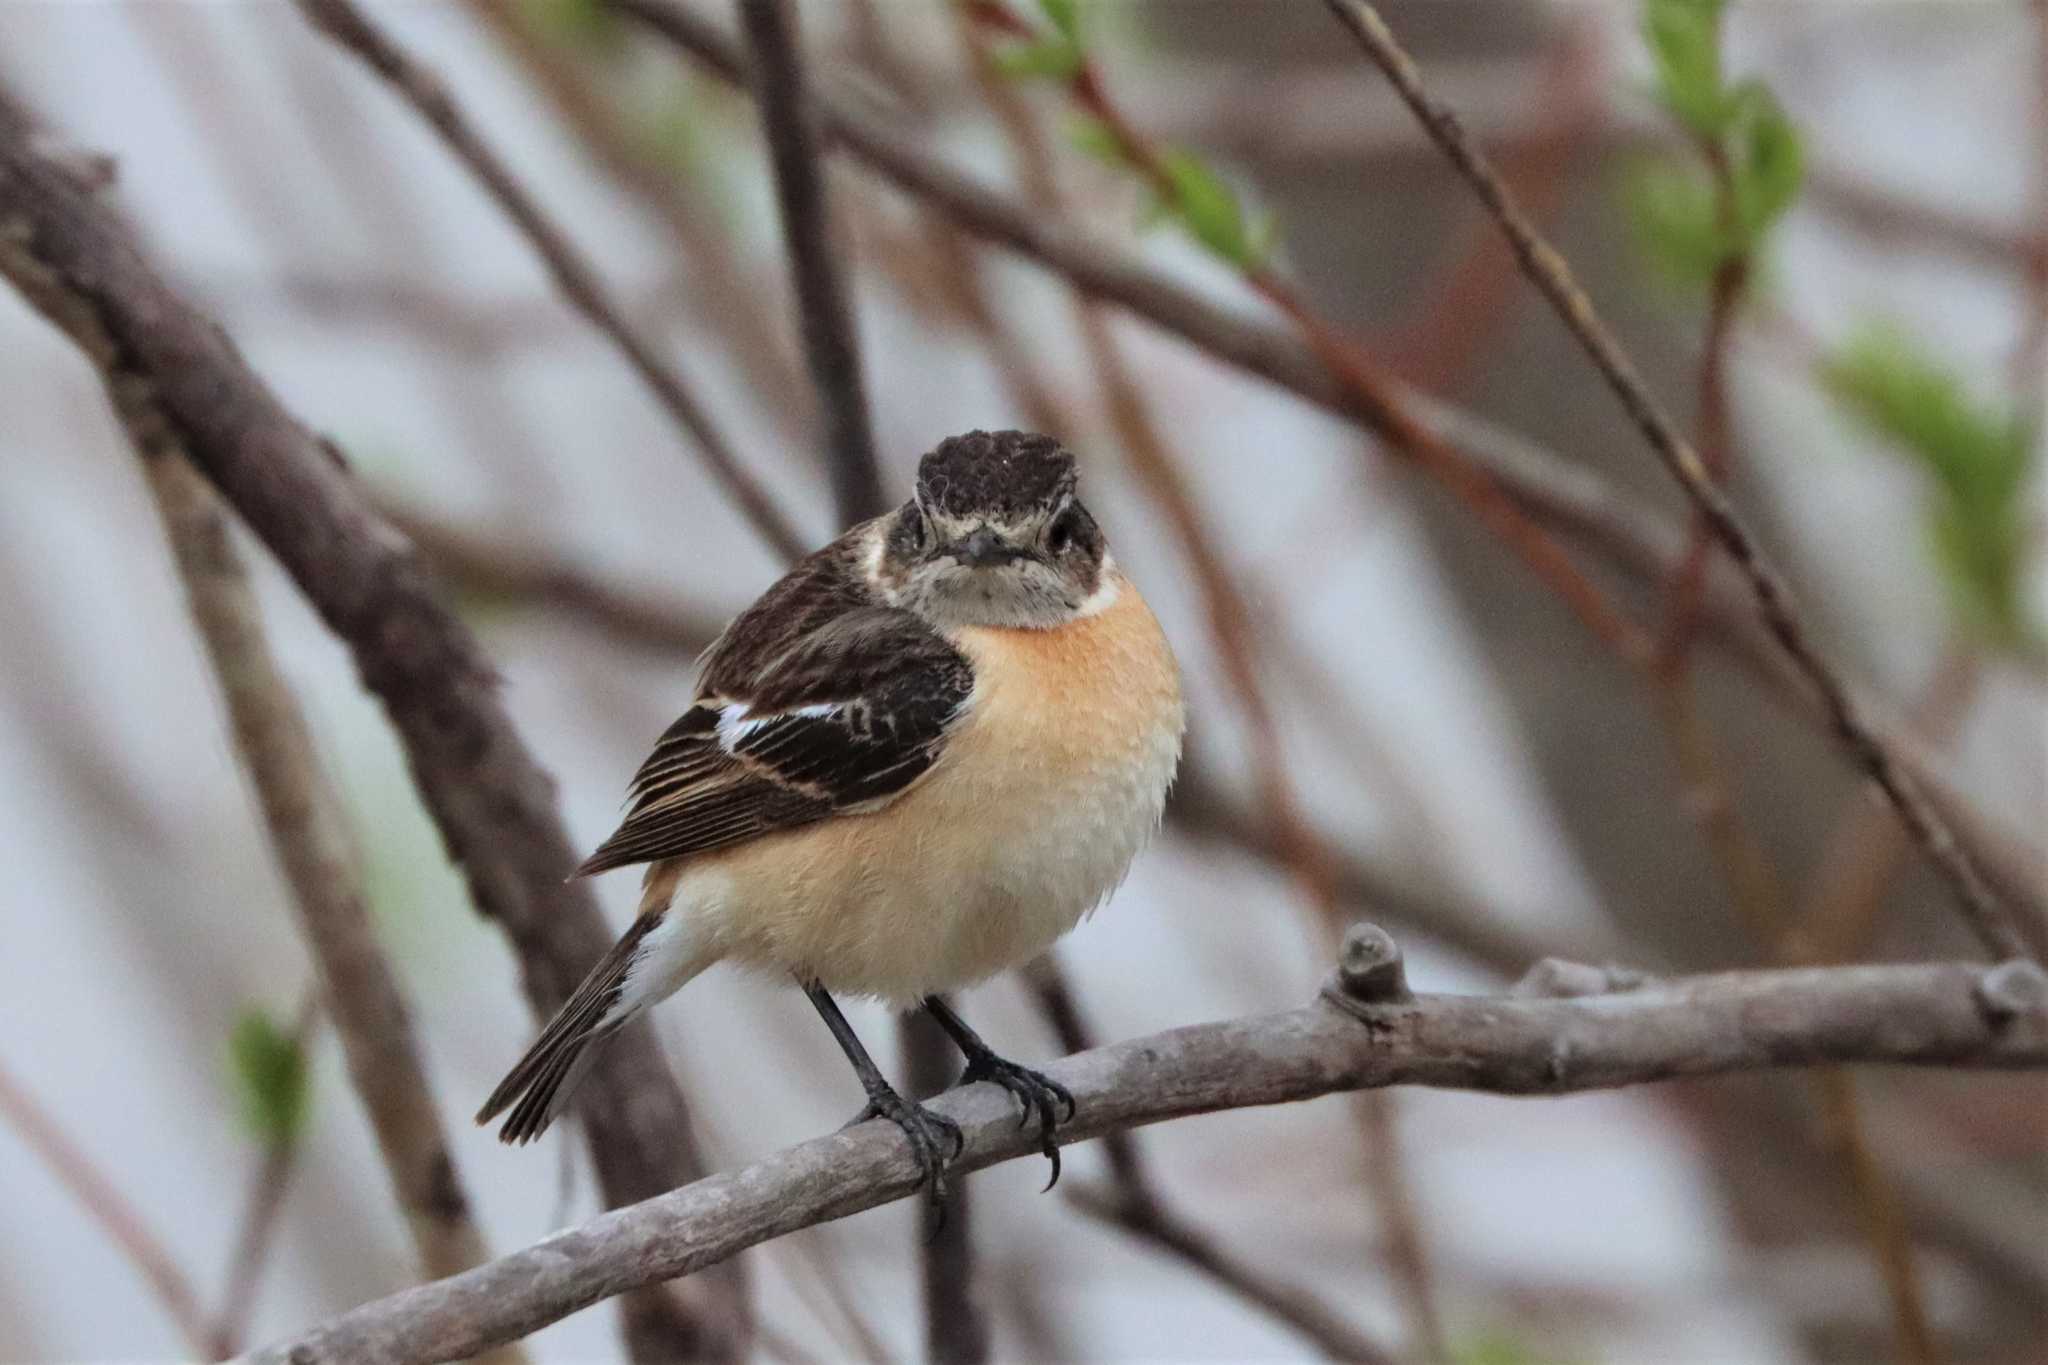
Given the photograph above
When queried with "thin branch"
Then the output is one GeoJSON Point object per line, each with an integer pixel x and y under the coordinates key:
{"type": "Point", "coordinates": [1469, 304]}
{"type": "Point", "coordinates": [830, 343]}
{"type": "Point", "coordinates": [498, 566]}
{"type": "Point", "coordinates": [1861, 855]}
{"type": "Point", "coordinates": [956, 1330]}
{"type": "Point", "coordinates": [1393, 1192]}
{"type": "Point", "coordinates": [1296, 1308]}
{"type": "Point", "coordinates": [1845, 1127]}
{"type": "Point", "coordinates": [573, 274]}
{"type": "Point", "coordinates": [1980, 904]}
{"type": "Point", "coordinates": [724, 282]}
{"type": "Point", "coordinates": [119, 1219]}
{"type": "Point", "coordinates": [1949, 1014]}
{"type": "Point", "coordinates": [310, 838]}
{"type": "Point", "coordinates": [261, 1210]}
{"type": "Point", "coordinates": [1133, 1203]}
{"type": "Point", "coordinates": [76, 263]}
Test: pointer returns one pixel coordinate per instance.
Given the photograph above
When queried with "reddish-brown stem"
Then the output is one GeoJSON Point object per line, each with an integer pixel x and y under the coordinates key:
{"type": "Point", "coordinates": [1684, 593]}
{"type": "Point", "coordinates": [1465, 307]}
{"type": "Point", "coordinates": [1384, 411]}
{"type": "Point", "coordinates": [119, 1219]}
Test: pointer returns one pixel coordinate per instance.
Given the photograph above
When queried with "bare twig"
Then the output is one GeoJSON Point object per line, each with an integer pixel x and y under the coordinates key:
{"type": "Point", "coordinates": [956, 1330]}
{"type": "Point", "coordinates": [1951, 1014]}
{"type": "Point", "coordinates": [830, 343]}
{"type": "Point", "coordinates": [726, 284]}
{"type": "Point", "coordinates": [1979, 902]}
{"type": "Point", "coordinates": [1313, 1319]}
{"type": "Point", "coordinates": [1863, 851]}
{"type": "Point", "coordinates": [1688, 583]}
{"type": "Point", "coordinates": [1846, 1129]}
{"type": "Point", "coordinates": [261, 1210]}
{"type": "Point", "coordinates": [499, 566]}
{"type": "Point", "coordinates": [573, 275]}
{"type": "Point", "coordinates": [1408, 1255]}
{"type": "Point", "coordinates": [1132, 1202]}
{"type": "Point", "coordinates": [75, 262]}
{"type": "Point", "coordinates": [1468, 304]}
{"type": "Point", "coordinates": [119, 1219]}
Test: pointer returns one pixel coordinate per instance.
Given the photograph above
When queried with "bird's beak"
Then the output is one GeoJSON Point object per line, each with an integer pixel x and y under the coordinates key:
{"type": "Point", "coordinates": [982, 548]}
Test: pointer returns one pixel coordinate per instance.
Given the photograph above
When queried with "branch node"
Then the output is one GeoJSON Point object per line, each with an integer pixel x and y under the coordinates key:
{"type": "Point", "coordinates": [2012, 990]}
{"type": "Point", "coordinates": [1370, 969]}
{"type": "Point", "coordinates": [1560, 978]}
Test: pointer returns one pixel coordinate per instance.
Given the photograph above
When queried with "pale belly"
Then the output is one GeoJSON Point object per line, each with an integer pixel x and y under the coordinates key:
{"type": "Point", "coordinates": [1029, 820]}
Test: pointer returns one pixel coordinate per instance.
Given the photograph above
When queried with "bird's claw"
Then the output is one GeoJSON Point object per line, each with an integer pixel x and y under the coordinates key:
{"type": "Point", "coordinates": [930, 1134]}
{"type": "Point", "coordinates": [1037, 1092]}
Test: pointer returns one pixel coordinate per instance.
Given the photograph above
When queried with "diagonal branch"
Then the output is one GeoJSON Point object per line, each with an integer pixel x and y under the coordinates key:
{"type": "Point", "coordinates": [1987, 915]}
{"type": "Point", "coordinates": [1951, 1014]}
{"type": "Point", "coordinates": [1131, 1201]}
{"type": "Point", "coordinates": [119, 1219]}
{"type": "Point", "coordinates": [77, 263]}
{"type": "Point", "coordinates": [573, 274]}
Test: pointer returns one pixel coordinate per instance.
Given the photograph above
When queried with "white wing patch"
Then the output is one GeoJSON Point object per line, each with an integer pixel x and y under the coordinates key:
{"type": "Point", "coordinates": [735, 722]}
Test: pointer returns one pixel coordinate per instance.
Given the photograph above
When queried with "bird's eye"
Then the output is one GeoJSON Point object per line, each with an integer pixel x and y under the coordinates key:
{"type": "Point", "coordinates": [1061, 537]}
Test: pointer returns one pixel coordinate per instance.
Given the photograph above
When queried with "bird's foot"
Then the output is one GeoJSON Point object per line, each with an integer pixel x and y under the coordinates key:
{"type": "Point", "coordinates": [931, 1135]}
{"type": "Point", "coordinates": [1039, 1093]}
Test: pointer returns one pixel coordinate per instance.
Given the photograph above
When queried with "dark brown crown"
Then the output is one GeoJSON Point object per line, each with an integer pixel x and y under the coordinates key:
{"type": "Point", "coordinates": [996, 474]}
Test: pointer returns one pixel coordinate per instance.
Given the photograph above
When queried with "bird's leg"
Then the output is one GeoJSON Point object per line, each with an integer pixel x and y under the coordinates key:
{"type": "Point", "coordinates": [1036, 1091]}
{"type": "Point", "coordinates": [930, 1133]}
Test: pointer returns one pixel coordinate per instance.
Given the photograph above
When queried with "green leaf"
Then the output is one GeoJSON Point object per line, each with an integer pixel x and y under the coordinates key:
{"type": "Point", "coordinates": [1766, 160]}
{"type": "Point", "coordinates": [269, 1069]}
{"type": "Point", "coordinates": [1065, 16]}
{"type": "Point", "coordinates": [1684, 38]}
{"type": "Point", "coordinates": [1053, 59]}
{"type": "Point", "coordinates": [1979, 456]}
{"type": "Point", "coordinates": [1209, 209]}
{"type": "Point", "coordinates": [1091, 135]}
{"type": "Point", "coordinates": [1978, 452]}
{"type": "Point", "coordinates": [1496, 1347]}
{"type": "Point", "coordinates": [1675, 214]}
{"type": "Point", "coordinates": [589, 25]}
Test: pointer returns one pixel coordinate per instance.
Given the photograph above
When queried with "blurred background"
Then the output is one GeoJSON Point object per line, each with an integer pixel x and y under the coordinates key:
{"type": "Point", "coordinates": [1842, 228]}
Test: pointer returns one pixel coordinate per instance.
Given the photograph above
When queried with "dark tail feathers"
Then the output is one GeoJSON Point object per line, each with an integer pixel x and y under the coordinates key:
{"type": "Point", "coordinates": [539, 1087]}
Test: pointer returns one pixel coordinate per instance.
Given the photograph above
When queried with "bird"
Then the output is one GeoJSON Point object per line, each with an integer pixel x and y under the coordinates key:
{"type": "Point", "coordinates": [922, 756]}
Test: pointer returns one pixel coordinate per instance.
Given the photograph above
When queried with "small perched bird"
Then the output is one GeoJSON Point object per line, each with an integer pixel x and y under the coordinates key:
{"type": "Point", "coordinates": [920, 758]}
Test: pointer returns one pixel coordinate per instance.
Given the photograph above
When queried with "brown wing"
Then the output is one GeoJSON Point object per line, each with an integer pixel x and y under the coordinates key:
{"type": "Point", "coordinates": [846, 718]}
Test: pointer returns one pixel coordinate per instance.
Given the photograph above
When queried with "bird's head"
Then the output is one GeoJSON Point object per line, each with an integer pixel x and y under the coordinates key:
{"type": "Point", "coordinates": [995, 536]}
